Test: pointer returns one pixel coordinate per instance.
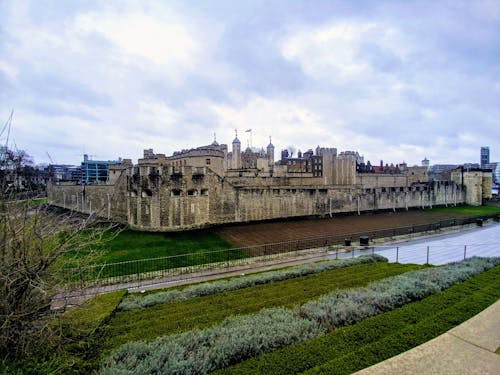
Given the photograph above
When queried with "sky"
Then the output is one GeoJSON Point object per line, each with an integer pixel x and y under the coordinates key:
{"type": "Point", "coordinates": [394, 80]}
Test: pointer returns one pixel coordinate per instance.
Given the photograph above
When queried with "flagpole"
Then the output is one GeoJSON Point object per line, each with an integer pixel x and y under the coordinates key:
{"type": "Point", "coordinates": [250, 131]}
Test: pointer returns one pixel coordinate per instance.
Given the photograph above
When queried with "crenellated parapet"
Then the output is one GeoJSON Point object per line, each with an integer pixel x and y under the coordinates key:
{"type": "Point", "coordinates": [208, 186]}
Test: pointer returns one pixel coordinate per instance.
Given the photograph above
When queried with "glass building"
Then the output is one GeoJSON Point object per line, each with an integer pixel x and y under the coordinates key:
{"type": "Point", "coordinates": [95, 171]}
{"type": "Point", "coordinates": [485, 156]}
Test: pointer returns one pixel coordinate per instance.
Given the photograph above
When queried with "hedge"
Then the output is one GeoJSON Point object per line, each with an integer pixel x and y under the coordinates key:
{"type": "Point", "coordinates": [375, 339]}
{"type": "Point", "coordinates": [136, 301]}
{"type": "Point", "coordinates": [239, 338]}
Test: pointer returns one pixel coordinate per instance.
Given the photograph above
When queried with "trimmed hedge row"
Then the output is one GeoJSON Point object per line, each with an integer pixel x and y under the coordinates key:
{"type": "Point", "coordinates": [341, 308]}
{"type": "Point", "coordinates": [431, 324]}
{"type": "Point", "coordinates": [239, 338]}
{"type": "Point", "coordinates": [206, 311]}
{"type": "Point", "coordinates": [375, 339]}
{"type": "Point", "coordinates": [136, 301]}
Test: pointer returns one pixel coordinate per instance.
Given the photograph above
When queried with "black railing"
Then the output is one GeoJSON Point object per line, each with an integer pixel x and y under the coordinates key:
{"type": "Point", "coordinates": [179, 266]}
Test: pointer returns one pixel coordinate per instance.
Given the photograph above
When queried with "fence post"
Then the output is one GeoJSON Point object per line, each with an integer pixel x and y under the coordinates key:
{"type": "Point", "coordinates": [427, 255]}
{"type": "Point", "coordinates": [373, 250]}
{"type": "Point", "coordinates": [397, 253]}
{"type": "Point", "coordinates": [353, 253]}
{"type": "Point", "coordinates": [337, 253]}
{"type": "Point", "coordinates": [465, 251]}
{"type": "Point", "coordinates": [137, 271]}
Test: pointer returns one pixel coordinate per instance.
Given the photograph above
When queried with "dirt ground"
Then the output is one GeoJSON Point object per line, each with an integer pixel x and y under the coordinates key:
{"type": "Point", "coordinates": [272, 232]}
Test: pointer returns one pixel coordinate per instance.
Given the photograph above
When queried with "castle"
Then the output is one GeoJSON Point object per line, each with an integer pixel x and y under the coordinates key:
{"type": "Point", "coordinates": [212, 185]}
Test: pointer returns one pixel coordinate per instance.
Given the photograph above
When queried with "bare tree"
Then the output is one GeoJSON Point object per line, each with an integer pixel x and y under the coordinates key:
{"type": "Point", "coordinates": [17, 172]}
{"type": "Point", "coordinates": [35, 244]}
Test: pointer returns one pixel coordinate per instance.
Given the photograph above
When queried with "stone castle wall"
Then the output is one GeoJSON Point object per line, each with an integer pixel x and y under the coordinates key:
{"type": "Point", "coordinates": [166, 198]}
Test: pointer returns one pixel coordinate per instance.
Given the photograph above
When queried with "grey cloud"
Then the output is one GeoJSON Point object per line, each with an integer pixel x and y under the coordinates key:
{"type": "Point", "coordinates": [51, 85]}
{"type": "Point", "coordinates": [52, 108]}
{"type": "Point", "coordinates": [380, 59]}
{"type": "Point", "coordinates": [252, 49]}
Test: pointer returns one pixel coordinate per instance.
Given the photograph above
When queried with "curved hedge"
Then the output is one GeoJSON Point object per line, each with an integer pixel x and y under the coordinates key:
{"type": "Point", "coordinates": [136, 301]}
{"type": "Point", "coordinates": [240, 338]}
{"type": "Point", "coordinates": [352, 348]}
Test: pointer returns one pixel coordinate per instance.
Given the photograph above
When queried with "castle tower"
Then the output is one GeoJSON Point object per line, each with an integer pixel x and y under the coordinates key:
{"type": "Point", "coordinates": [236, 157]}
{"type": "Point", "coordinates": [270, 153]}
{"type": "Point", "coordinates": [425, 163]}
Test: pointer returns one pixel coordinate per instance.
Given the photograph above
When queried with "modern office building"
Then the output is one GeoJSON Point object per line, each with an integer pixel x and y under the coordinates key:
{"type": "Point", "coordinates": [485, 156]}
{"type": "Point", "coordinates": [63, 172]}
{"type": "Point", "coordinates": [96, 171]}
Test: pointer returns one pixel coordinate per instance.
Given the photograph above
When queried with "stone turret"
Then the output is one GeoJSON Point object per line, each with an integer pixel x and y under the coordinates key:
{"type": "Point", "coordinates": [236, 155]}
{"type": "Point", "coordinates": [270, 153]}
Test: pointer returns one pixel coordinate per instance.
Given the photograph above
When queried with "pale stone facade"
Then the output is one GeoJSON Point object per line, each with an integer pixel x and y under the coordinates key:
{"type": "Point", "coordinates": [208, 186]}
{"type": "Point", "coordinates": [478, 184]}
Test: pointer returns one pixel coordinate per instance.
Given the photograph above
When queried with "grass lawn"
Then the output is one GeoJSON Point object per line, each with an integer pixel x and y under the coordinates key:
{"type": "Point", "coordinates": [133, 245]}
{"type": "Point", "coordinates": [200, 312]}
{"type": "Point", "coordinates": [126, 246]}
{"type": "Point", "coordinates": [469, 210]}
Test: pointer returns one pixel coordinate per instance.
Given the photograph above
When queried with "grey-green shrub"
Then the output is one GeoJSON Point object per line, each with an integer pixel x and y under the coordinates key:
{"type": "Point", "coordinates": [338, 309]}
{"type": "Point", "coordinates": [239, 338]}
{"type": "Point", "coordinates": [135, 301]}
{"type": "Point", "coordinates": [202, 351]}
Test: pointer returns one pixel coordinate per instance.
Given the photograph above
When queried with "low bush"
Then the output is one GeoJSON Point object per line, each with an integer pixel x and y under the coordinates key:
{"type": "Point", "coordinates": [205, 311]}
{"type": "Point", "coordinates": [375, 339]}
{"type": "Point", "coordinates": [238, 338]}
{"type": "Point", "coordinates": [201, 351]}
{"type": "Point", "coordinates": [136, 301]}
{"type": "Point", "coordinates": [338, 309]}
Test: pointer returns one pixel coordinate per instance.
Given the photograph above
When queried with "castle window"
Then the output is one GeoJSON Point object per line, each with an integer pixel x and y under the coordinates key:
{"type": "Point", "coordinates": [193, 192]}
{"type": "Point", "coordinates": [204, 192]}
{"type": "Point", "coordinates": [175, 193]}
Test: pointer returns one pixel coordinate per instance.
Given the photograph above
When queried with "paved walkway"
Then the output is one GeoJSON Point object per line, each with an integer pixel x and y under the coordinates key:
{"type": "Point", "coordinates": [466, 349]}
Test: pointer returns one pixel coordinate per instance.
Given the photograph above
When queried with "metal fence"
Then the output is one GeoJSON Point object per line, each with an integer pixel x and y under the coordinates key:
{"type": "Point", "coordinates": [163, 269]}
{"type": "Point", "coordinates": [436, 254]}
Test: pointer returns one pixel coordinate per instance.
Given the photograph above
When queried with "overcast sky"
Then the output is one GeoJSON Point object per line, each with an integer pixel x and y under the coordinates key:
{"type": "Point", "coordinates": [394, 80]}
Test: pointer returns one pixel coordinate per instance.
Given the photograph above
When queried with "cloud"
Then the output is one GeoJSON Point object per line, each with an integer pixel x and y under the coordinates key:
{"type": "Point", "coordinates": [392, 80]}
{"type": "Point", "coordinates": [159, 41]}
{"type": "Point", "coordinates": [338, 52]}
